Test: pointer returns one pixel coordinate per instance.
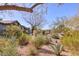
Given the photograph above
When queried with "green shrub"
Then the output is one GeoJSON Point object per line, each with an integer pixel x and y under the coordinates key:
{"type": "Point", "coordinates": [11, 30]}
{"type": "Point", "coordinates": [24, 39]}
{"type": "Point", "coordinates": [71, 40]}
{"type": "Point", "coordinates": [9, 50]}
{"type": "Point", "coordinates": [33, 52]}
{"type": "Point", "coordinates": [39, 41]}
{"type": "Point", "coordinates": [7, 47]}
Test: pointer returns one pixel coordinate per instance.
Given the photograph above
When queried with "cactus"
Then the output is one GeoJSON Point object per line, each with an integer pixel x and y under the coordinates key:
{"type": "Point", "coordinates": [57, 49]}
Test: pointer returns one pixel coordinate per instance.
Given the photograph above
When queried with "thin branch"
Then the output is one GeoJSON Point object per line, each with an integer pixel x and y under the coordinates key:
{"type": "Point", "coordinates": [35, 5]}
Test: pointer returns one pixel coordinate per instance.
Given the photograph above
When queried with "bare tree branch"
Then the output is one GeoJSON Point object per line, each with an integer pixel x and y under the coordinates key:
{"type": "Point", "coordinates": [35, 5]}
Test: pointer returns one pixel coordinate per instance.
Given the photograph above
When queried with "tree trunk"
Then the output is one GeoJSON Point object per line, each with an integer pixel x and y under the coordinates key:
{"type": "Point", "coordinates": [33, 31]}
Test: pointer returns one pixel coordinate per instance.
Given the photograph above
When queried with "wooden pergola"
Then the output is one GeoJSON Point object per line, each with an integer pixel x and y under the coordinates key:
{"type": "Point", "coordinates": [18, 8]}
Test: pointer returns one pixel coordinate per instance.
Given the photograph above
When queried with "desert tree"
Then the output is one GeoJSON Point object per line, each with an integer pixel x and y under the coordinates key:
{"type": "Point", "coordinates": [60, 24]}
{"type": "Point", "coordinates": [35, 20]}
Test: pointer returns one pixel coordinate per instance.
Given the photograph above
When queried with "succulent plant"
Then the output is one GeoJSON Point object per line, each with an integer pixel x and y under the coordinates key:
{"type": "Point", "coordinates": [57, 49]}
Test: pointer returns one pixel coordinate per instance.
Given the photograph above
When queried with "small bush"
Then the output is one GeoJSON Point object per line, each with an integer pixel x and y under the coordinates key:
{"type": "Point", "coordinates": [24, 39]}
{"type": "Point", "coordinates": [33, 51]}
{"type": "Point", "coordinates": [13, 30]}
{"type": "Point", "coordinates": [39, 41]}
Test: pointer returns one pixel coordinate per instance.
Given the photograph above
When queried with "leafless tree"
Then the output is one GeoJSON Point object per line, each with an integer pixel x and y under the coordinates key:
{"type": "Point", "coordinates": [35, 20]}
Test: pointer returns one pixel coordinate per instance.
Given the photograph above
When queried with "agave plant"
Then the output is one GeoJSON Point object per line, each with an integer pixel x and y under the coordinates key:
{"type": "Point", "coordinates": [57, 49]}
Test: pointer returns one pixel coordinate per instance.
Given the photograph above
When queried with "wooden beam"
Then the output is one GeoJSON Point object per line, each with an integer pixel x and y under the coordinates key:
{"type": "Point", "coordinates": [18, 8]}
{"type": "Point", "coordinates": [14, 7]}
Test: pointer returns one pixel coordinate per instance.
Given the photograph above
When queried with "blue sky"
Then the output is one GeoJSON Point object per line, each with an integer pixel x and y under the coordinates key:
{"type": "Point", "coordinates": [66, 9]}
{"type": "Point", "coordinates": [53, 12]}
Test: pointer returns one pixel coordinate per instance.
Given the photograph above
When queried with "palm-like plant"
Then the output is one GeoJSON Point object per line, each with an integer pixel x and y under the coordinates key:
{"type": "Point", "coordinates": [57, 48]}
